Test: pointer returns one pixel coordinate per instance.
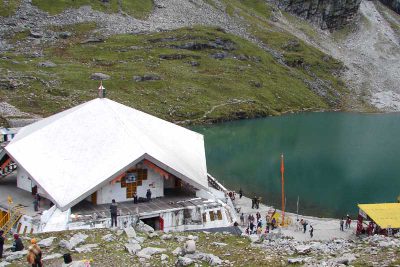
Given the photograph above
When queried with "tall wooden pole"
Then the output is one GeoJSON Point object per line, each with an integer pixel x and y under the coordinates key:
{"type": "Point", "coordinates": [283, 190]}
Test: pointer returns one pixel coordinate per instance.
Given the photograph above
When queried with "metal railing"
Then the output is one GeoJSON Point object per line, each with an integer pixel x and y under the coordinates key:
{"type": "Point", "coordinates": [11, 218]}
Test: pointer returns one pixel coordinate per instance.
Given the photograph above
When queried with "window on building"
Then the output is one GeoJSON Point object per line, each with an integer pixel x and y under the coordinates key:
{"type": "Point", "coordinates": [219, 214]}
{"type": "Point", "coordinates": [204, 217]}
{"type": "Point", "coordinates": [211, 215]}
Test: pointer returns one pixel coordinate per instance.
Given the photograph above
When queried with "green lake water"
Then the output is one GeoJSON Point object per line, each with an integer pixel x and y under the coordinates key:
{"type": "Point", "coordinates": [333, 161]}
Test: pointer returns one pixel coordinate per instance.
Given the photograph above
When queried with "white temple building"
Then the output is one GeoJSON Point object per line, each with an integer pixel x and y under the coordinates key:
{"type": "Point", "coordinates": [82, 158]}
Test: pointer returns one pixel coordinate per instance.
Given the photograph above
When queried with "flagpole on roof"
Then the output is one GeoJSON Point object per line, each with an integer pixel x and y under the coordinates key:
{"type": "Point", "coordinates": [101, 90]}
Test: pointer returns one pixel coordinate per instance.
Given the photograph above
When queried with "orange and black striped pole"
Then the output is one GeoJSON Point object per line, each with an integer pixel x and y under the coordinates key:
{"type": "Point", "coordinates": [283, 190]}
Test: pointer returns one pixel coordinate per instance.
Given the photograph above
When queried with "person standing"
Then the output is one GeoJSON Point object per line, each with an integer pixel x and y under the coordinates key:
{"type": "Point", "coordinates": [311, 231]}
{"type": "Point", "coordinates": [1, 243]}
{"type": "Point", "coordinates": [38, 197]}
{"type": "Point", "coordinates": [242, 219]}
{"type": "Point", "coordinates": [304, 227]}
{"type": "Point", "coordinates": [34, 254]}
{"type": "Point", "coordinates": [113, 211]}
{"type": "Point", "coordinates": [135, 198]}
{"type": "Point", "coordinates": [341, 224]}
{"type": "Point", "coordinates": [240, 193]}
{"type": "Point", "coordinates": [35, 204]}
{"type": "Point", "coordinates": [148, 195]}
{"type": "Point", "coordinates": [348, 221]}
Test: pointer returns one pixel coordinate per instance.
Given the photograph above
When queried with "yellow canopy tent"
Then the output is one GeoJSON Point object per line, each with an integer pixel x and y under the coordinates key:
{"type": "Point", "coordinates": [386, 215]}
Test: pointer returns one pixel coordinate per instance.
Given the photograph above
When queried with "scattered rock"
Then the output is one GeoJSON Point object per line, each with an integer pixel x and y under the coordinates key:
{"type": "Point", "coordinates": [86, 248]}
{"type": "Point", "coordinates": [132, 248]}
{"type": "Point", "coordinates": [130, 232]}
{"type": "Point", "coordinates": [92, 40]}
{"type": "Point", "coordinates": [218, 244]}
{"type": "Point", "coordinates": [99, 76]}
{"type": "Point", "coordinates": [36, 34]}
{"type": "Point", "coordinates": [193, 237]}
{"type": "Point", "coordinates": [178, 251]}
{"type": "Point", "coordinates": [303, 249]}
{"type": "Point", "coordinates": [189, 247]}
{"type": "Point", "coordinates": [47, 64]}
{"type": "Point", "coordinates": [64, 35]}
{"type": "Point", "coordinates": [184, 261]}
{"type": "Point", "coordinates": [166, 237]}
{"type": "Point", "coordinates": [52, 256]}
{"type": "Point", "coordinates": [152, 235]}
{"type": "Point", "coordinates": [164, 257]}
{"type": "Point", "coordinates": [150, 251]}
{"type": "Point", "coordinates": [296, 261]}
{"type": "Point", "coordinates": [108, 238]}
{"type": "Point", "coordinates": [4, 263]}
{"type": "Point", "coordinates": [207, 257]}
{"type": "Point", "coordinates": [16, 255]}
{"type": "Point", "coordinates": [10, 83]}
{"type": "Point", "coordinates": [219, 55]}
{"type": "Point", "coordinates": [74, 241]}
{"type": "Point", "coordinates": [142, 227]}
{"type": "Point", "coordinates": [146, 77]}
{"type": "Point", "coordinates": [180, 238]}
{"type": "Point", "coordinates": [45, 243]}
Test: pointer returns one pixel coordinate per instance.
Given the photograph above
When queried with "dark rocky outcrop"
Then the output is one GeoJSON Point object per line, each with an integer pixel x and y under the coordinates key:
{"type": "Point", "coordinates": [328, 14]}
{"type": "Point", "coordinates": [393, 4]}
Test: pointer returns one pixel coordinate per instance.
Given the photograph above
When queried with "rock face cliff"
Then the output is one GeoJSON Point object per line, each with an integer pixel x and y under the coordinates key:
{"type": "Point", "coordinates": [328, 14]}
{"type": "Point", "coordinates": [393, 4]}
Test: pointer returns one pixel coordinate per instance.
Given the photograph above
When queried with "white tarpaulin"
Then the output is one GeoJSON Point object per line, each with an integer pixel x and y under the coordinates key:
{"type": "Point", "coordinates": [75, 152]}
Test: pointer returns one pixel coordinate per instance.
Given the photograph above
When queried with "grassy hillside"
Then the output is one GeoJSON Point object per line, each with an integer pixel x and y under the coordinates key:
{"type": "Point", "coordinates": [190, 75]}
{"type": "Point", "coordinates": [138, 8]}
{"type": "Point", "coordinates": [8, 7]}
{"type": "Point", "coordinates": [204, 74]}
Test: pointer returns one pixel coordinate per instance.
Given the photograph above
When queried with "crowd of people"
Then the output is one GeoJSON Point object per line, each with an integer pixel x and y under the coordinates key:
{"type": "Point", "coordinates": [255, 224]}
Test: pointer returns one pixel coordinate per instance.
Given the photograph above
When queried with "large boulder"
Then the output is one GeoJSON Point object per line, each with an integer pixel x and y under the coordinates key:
{"type": "Point", "coordinates": [132, 248]}
{"type": "Point", "coordinates": [74, 241]}
{"type": "Point", "coordinates": [16, 255]}
{"type": "Point", "coordinates": [130, 232]}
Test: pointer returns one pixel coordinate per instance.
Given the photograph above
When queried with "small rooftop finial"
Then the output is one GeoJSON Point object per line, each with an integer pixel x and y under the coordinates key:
{"type": "Point", "coordinates": [102, 90]}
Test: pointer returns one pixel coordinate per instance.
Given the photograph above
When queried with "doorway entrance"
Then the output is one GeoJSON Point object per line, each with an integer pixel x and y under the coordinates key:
{"type": "Point", "coordinates": [156, 222]}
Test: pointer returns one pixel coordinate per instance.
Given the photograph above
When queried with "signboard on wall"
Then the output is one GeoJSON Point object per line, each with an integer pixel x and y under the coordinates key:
{"type": "Point", "coordinates": [131, 177]}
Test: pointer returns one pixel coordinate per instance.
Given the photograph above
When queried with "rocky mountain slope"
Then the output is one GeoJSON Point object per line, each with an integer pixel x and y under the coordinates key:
{"type": "Point", "coordinates": [394, 4]}
{"type": "Point", "coordinates": [330, 14]}
{"type": "Point", "coordinates": [197, 61]}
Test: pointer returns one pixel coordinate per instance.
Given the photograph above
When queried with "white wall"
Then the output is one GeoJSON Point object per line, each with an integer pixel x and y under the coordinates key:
{"type": "Point", "coordinates": [23, 180]}
{"type": "Point", "coordinates": [114, 191]}
{"type": "Point", "coordinates": [157, 190]}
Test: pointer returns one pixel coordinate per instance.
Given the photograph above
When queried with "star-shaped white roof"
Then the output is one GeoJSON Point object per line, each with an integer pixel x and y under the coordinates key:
{"type": "Point", "coordinates": [74, 153]}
